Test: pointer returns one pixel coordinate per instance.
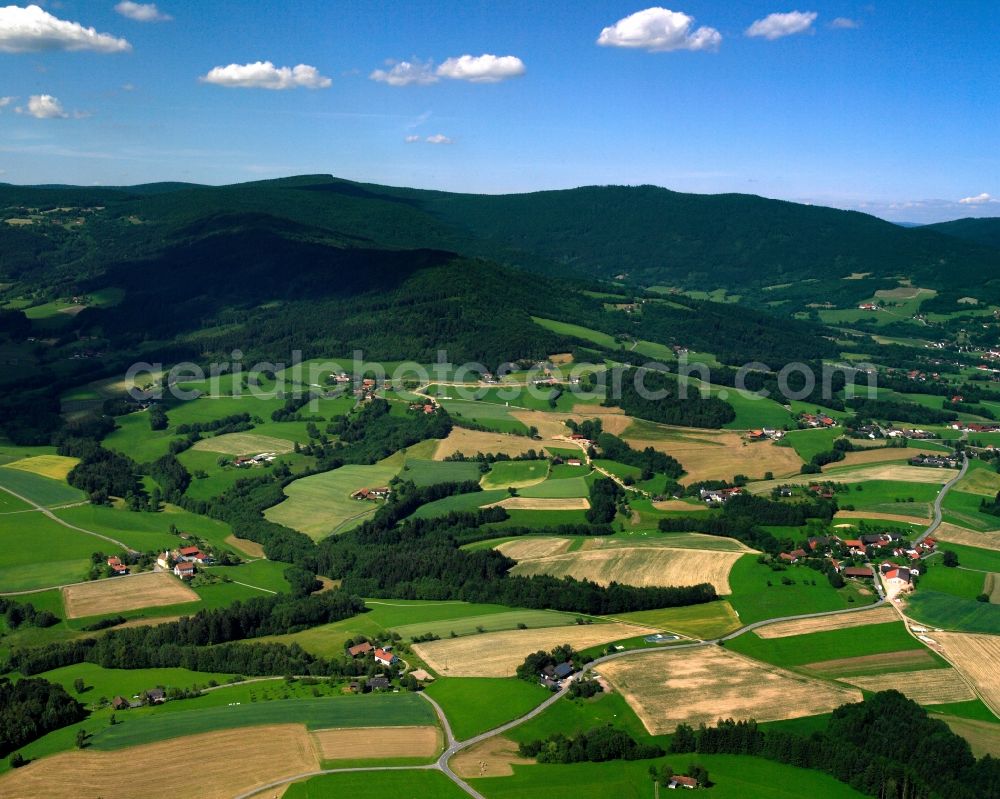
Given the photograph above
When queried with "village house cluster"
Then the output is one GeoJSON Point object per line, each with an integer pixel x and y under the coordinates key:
{"type": "Point", "coordinates": [183, 561]}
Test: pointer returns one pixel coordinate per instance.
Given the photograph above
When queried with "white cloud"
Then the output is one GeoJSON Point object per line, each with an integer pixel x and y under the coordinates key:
{"type": "Point", "coordinates": [265, 75]}
{"type": "Point", "coordinates": [979, 199]}
{"type": "Point", "coordinates": [439, 138]}
{"type": "Point", "coordinates": [775, 26]}
{"type": "Point", "coordinates": [43, 106]}
{"type": "Point", "coordinates": [141, 12]}
{"type": "Point", "coordinates": [32, 30]}
{"type": "Point", "coordinates": [845, 23]}
{"type": "Point", "coordinates": [406, 73]}
{"type": "Point", "coordinates": [659, 30]}
{"type": "Point", "coordinates": [482, 69]}
{"type": "Point", "coordinates": [5, 101]}
{"type": "Point", "coordinates": [411, 139]}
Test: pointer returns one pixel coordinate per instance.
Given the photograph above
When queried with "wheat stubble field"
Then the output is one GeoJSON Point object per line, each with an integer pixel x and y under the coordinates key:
{"type": "Point", "coordinates": [116, 594]}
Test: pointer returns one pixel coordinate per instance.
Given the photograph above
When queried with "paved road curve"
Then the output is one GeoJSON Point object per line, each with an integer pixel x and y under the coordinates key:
{"type": "Point", "coordinates": [936, 521]}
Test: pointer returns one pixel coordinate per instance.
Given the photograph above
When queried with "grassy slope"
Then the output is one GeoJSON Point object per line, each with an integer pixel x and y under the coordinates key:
{"type": "Point", "coordinates": [476, 704]}
{"type": "Point", "coordinates": [423, 784]}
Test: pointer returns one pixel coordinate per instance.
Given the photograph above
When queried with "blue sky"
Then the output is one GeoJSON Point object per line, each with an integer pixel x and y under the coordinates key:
{"type": "Point", "coordinates": [891, 107]}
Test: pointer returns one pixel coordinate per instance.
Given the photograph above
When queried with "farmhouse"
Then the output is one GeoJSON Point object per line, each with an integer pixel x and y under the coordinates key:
{"type": "Point", "coordinates": [120, 703]}
{"type": "Point", "coordinates": [788, 558]}
{"type": "Point", "coordinates": [360, 649]}
{"type": "Point", "coordinates": [862, 572]}
{"type": "Point", "coordinates": [377, 684]}
{"type": "Point", "coordinates": [184, 570]}
{"type": "Point", "coordinates": [384, 657]}
{"type": "Point", "coordinates": [371, 494]}
{"type": "Point", "coordinates": [117, 566]}
{"type": "Point", "coordinates": [574, 462]}
{"type": "Point", "coordinates": [817, 420]}
{"type": "Point", "coordinates": [900, 579]}
{"type": "Point", "coordinates": [719, 495]}
{"type": "Point", "coordinates": [936, 461]}
{"type": "Point", "coordinates": [680, 781]}
{"type": "Point", "coordinates": [156, 696]}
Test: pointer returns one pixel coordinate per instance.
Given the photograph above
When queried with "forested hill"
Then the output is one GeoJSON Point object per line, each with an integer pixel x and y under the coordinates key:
{"type": "Point", "coordinates": [980, 231]}
{"type": "Point", "coordinates": [652, 236]}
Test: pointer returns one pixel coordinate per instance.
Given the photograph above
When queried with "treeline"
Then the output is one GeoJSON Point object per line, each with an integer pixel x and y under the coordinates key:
{"type": "Point", "coordinates": [606, 496]}
{"type": "Point", "coordinates": [17, 615]}
{"type": "Point", "coordinates": [899, 411]}
{"type": "Point", "coordinates": [234, 423]}
{"type": "Point", "coordinates": [651, 461]}
{"type": "Point", "coordinates": [669, 407]}
{"type": "Point", "coordinates": [29, 708]}
{"type": "Point", "coordinates": [101, 473]}
{"type": "Point", "coordinates": [204, 642]}
{"type": "Point", "coordinates": [593, 746]}
{"type": "Point", "coordinates": [885, 746]}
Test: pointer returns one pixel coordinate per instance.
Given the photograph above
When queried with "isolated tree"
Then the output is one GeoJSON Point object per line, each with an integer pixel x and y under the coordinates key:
{"type": "Point", "coordinates": [78, 685]}
{"type": "Point", "coordinates": [81, 738]}
{"type": "Point", "coordinates": [950, 558]}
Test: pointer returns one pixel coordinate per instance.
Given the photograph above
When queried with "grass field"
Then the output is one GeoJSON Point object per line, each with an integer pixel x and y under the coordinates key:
{"type": "Point", "coordinates": [391, 710]}
{"type": "Point", "coordinates": [564, 487]}
{"type": "Point", "coordinates": [38, 552]}
{"type": "Point", "coordinates": [499, 654]}
{"type": "Point", "coordinates": [811, 442]}
{"type": "Point", "coordinates": [962, 509]}
{"type": "Point", "coordinates": [518, 474]}
{"type": "Point", "coordinates": [55, 467]}
{"type": "Point", "coordinates": [803, 651]}
{"type": "Point", "coordinates": [474, 705]}
{"type": "Point", "coordinates": [962, 583]}
{"type": "Point", "coordinates": [102, 682]}
{"type": "Point", "coordinates": [423, 784]}
{"type": "Point", "coordinates": [488, 415]}
{"type": "Point", "coordinates": [144, 531]}
{"type": "Point", "coordinates": [460, 502]}
{"type": "Point", "coordinates": [734, 777]}
{"type": "Point", "coordinates": [263, 754]}
{"type": "Point", "coordinates": [639, 566]}
{"type": "Point", "coordinates": [579, 332]}
{"type": "Point", "coordinates": [116, 594]}
{"type": "Point", "coordinates": [37, 488]}
{"type": "Point", "coordinates": [429, 472]}
{"type": "Point", "coordinates": [702, 685]}
{"type": "Point", "coordinates": [489, 622]}
{"type": "Point", "coordinates": [709, 620]}
{"type": "Point", "coordinates": [754, 600]}
{"type": "Point", "coordinates": [960, 535]}
{"type": "Point", "coordinates": [321, 504]}
{"type": "Point", "coordinates": [953, 613]}
{"type": "Point", "coordinates": [244, 444]}
{"type": "Point", "coordinates": [975, 656]}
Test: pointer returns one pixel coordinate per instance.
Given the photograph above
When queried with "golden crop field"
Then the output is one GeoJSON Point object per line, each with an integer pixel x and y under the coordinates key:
{"type": "Point", "coordinates": [527, 548]}
{"type": "Point", "coordinates": [882, 455]}
{"type": "Point", "coordinates": [981, 735]}
{"type": "Point", "coordinates": [244, 444]}
{"type": "Point", "coordinates": [928, 687]}
{"type": "Point", "coordinates": [542, 503]}
{"type": "Point", "coordinates": [115, 594]}
{"type": "Point", "coordinates": [970, 538]}
{"type": "Point", "coordinates": [469, 442]}
{"type": "Point", "coordinates": [709, 620]}
{"type": "Point", "coordinates": [494, 757]}
{"type": "Point", "coordinates": [719, 454]}
{"type": "Point", "coordinates": [638, 566]}
{"type": "Point", "coordinates": [696, 686]}
{"type": "Point", "coordinates": [359, 743]}
{"type": "Point", "coordinates": [976, 656]}
{"type": "Point", "coordinates": [868, 514]}
{"type": "Point", "coordinates": [56, 467]}
{"type": "Point", "coordinates": [247, 547]}
{"type": "Point", "coordinates": [228, 763]}
{"type": "Point", "coordinates": [783, 629]}
{"type": "Point", "coordinates": [499, 654]}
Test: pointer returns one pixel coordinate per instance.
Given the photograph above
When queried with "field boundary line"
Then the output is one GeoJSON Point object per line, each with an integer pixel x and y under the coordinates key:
{"type": "Point", "coordinates": [48, 512]}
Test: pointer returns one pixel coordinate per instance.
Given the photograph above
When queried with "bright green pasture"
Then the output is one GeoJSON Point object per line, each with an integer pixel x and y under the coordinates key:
{"type": "Point", "coordinates": [754, 600]}
{"type": "Point", "coordinates": [811, 442]}
{"type": "Point", "coordinates": [410, 783]}
{"type": "Point", "coordinates": [954, 613]}
{"type": "Point", "coordinates": [579, 332]}
{"type": "Point", "coordinates": [707, 621]}
{"type": "Point", "coordinates": [428, 472]}
{"type": "Point", "coordinates": [515, 473]}
{"type": "Point", "coordinates": [460, 502]}
{"type": "Point", "coordinates": [321, 504]}
{"type": "Point", "coordinates": [490, 622]}
{"type": "Point", "coordinates": [751, 412]}
{"type": "Point", "coordinates": [107, 683]}
{"type": "Point", "coordinates": [963, 509]}
{"type": "Point", "coordinates": [795, 651]}
{"type": "Point", "coordinates": [562, 488]}
{"type": "Point", "coordinates": [476, 704]}
{"type": "Point", "coordinates": [889, 496]}
{"type": "Point", "coordinates": [348, 711]}
{"type": "Point", "coordinates": [38, 552]}
{"type": "Point", "coordinates": [42, 491]}
{"type": "Point", "coordinates": [268, 575]}
{"type": "Point", "coordinates": [141, 531]}
{"type": "Point", "coordinates": [492, 417]}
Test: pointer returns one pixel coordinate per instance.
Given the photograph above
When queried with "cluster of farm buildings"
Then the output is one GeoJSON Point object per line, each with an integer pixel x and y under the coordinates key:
{"type": "Point", "coordinates": [184, 561]}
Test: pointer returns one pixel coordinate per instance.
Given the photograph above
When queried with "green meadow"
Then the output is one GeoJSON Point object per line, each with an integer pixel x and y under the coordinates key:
{"type": "Point", "coordinates": [807, 443]}
{"type": "Point", "coordinates": [39, 552]}
{"type": "Point", "coordinates": [561, 488]}
{"type": "Point", "coordinates": [490, 622]}
{"type": "Point", "coordinates": [428, 472]}
{"type": "Point", "coordinates": [42, 491]}
{"type": "Point", "coordinates": [474, 705]}
{"type": "Point", "coordinates": [410, 783]}
{"type": "Point", "coordinates": [951, 612]}
{"type": "Point", "coordinates": [515, 473]}
{"type": "Point", "coordinates": [459, 502]}
{"type": "Point", "coordinates": [706, 621]}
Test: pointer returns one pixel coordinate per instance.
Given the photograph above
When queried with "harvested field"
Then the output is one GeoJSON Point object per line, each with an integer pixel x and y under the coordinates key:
{"type": "Point", "coordinates": [882, 455]}
{"type": "Point", "coordinates": [983, 736]}
{"type": "Point", "coordinates": [960, 535]}
{"type": "Point", "coordinates": [526, 548]}
{"type": "Point", "coordinates": [703, 685]}
{"type": "Point", "coordinates": [358, 743]}
{"type": "Point", "coordinates": [549, 424]}
{"type": "Point", "coordinates": [55, 467]}
{"type": "Point", "coordinates": [869, 514]}
{"type": "Point", "coordinates": [718, 455]}
{"type": "Point", "coordinates": [638, 566]}
{"type": "Point", "coordinates": [842, 667]}
{"type": "Point", "coordinates": [542, 503]}
{"type": "Point", "coordinates": [890, 471]}
{"type": "Point", "coordinates": [229, 763]}
{"type": "Point", "coordinates": [783, 629]}
{"type": "Point", "coordinates": [499, 654]}
{"type": "Point", "coordinates": [244, 444]}
{"type": "Point", "coordinates": [679, 505]}
{"type": "Point", "coordinates": [116, 594]}
{"type": "Point", "coordinates": [991, 587]}
{"type": "Point", "coordinates": [714, 543]}
{"type": "Point", "coordinates": [247, 547]}
{"type": "Point", "coordinates": [470, 442]}
{"type": "Point", "coordinates": [928, 687]}
{"type": "Point", "coordinates": [976, 656]}
{"type": "Point", "coordinates": [491, 758]}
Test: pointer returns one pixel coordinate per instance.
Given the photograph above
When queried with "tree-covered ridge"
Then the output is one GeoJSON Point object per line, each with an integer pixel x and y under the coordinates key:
{"type": "Point", "coordinates": [29, 708]}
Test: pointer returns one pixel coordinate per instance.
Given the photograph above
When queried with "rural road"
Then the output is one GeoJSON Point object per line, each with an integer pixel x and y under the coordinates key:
{"type": "Point", "coordinates": [936, 521]}
{"type": "Point", "coordinates": [64, 523]}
